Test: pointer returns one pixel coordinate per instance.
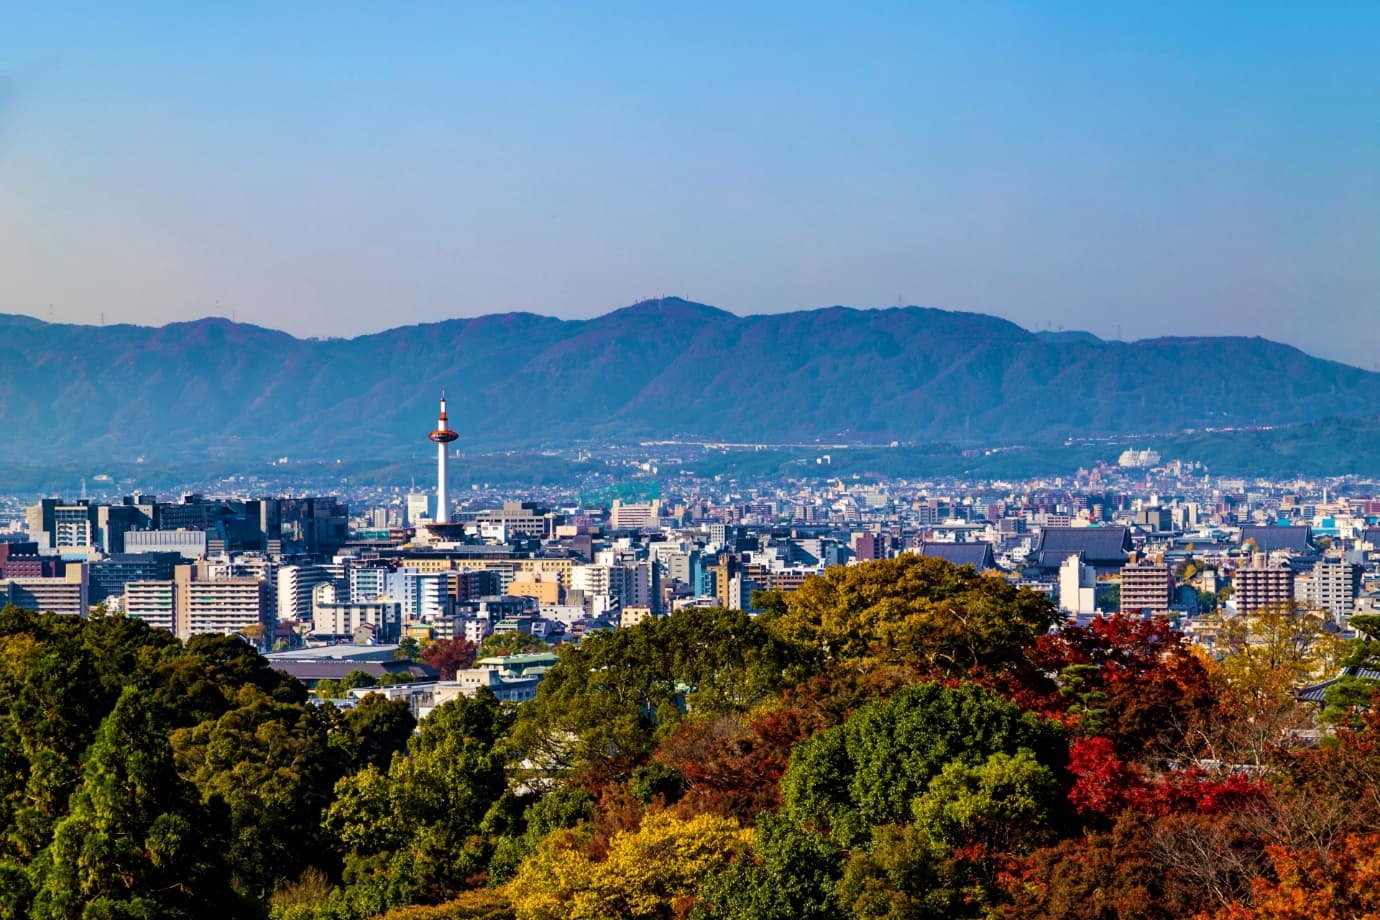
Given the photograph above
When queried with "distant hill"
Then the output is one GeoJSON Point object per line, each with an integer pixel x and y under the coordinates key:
{"type": "Point", "coordinates": [660, 369]}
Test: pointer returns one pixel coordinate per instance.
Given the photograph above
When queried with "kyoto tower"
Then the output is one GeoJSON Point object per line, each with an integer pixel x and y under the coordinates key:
{"type": "Point", "coordinates": [442, 436]}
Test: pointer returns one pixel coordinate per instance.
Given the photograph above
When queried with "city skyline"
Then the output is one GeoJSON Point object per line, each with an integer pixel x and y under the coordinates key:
{"type": "Point", "coordinates": [1129, 172]}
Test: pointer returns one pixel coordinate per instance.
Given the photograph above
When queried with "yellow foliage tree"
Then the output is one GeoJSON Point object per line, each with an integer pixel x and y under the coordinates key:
{"type": "Point", "coordinates": [646, 872]}
{"type": "Point", "coordinates": [916, 609]}
{"type": "Point", "coordinates": [1272, 650]}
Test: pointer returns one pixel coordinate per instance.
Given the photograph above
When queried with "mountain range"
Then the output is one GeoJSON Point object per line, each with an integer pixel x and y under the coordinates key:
{"type": "Point", "coordinates": [660, 369]}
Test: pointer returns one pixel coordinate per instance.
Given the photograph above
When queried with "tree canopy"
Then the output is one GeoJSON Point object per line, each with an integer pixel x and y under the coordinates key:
{"type": "Point", "coordinates": [899, 738]}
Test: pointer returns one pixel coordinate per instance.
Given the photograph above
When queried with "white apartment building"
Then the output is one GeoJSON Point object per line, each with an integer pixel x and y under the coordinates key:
{"type": "Point", "coordinates": [295, 584]}
{"type": "Point", "coordinates": [423, 595]}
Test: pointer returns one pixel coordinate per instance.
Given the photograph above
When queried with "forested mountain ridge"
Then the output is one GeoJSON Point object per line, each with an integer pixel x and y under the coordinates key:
{"type": "Point", "coordinates": [897, 738]}
{"type": "Point", "coordinates": [660, 369]}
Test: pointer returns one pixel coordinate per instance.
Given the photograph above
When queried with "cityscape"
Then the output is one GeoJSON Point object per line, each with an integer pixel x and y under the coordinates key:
{"type": "Point", "coordinates": [349, 576]}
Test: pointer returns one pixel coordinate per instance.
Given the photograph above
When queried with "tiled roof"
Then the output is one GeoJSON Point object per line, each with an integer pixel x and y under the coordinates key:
{"type": "Point", "coordinates": [1317, 693]}
{"type": "Point", "coordinates": [1272, 539]}
{"type": "Point", "coordinates": [1099, 545]}
{"type": "Point", "coordinates": [978, 555]}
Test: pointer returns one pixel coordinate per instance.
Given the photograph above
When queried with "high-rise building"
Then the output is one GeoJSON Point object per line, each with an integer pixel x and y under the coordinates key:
{"type": "Point", "coordinates": [634, 516]}
{"type": "Point", "coordinates": [295, 584]}
{"type": "Point", "coordinates": [109, 576]}
{"type": "Point", "coordinates": [1258, 585]}
{"type": "Point", "coordinates": [154, 602]}
{"type": "Point", "coordinates": [423, 595]}
{"type": "Point", "coordinates": [219, 606]}
{"type": "Point", "coordinates": [367, 583]}
{"type": "Point", "coordinates": [1146, 586]}
{"type": "Point", "coordinates": [1334, 587]}
{"type": "Point", "coordinates": [1077, 586]}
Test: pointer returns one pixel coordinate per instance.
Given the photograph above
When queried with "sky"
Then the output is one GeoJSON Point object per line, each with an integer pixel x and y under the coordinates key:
{"type": "Point", "coordinates": [1130, 169]}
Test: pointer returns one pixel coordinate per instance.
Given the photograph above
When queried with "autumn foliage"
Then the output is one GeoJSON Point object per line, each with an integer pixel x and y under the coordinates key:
{"type": "Point", "coordinates": [896, 739]}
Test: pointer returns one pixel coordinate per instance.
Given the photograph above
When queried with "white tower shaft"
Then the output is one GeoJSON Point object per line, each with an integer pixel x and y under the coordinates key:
{"type": "Point", "coordinates": [442, 500]}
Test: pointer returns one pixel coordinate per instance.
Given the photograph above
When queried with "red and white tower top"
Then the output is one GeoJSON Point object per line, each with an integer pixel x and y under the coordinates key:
{"type": "Point", "coordinates": [443, 433]}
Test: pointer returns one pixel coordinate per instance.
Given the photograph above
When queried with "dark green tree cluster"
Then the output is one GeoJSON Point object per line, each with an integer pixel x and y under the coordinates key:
{"type": "Point", "coordinates": [147, 778]}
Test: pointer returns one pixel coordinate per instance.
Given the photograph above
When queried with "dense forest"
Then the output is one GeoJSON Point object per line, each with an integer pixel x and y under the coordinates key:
{"type": "Point", "coordinates": [898, 739]}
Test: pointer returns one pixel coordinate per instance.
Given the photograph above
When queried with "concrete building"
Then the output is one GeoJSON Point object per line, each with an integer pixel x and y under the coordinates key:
{"type": "Point", "coordinates": [199, 604]}
{"type": "Point", "coordinates": [367, 583]}
{"type": "Point", "coordinates": [332, 619]}
{"type": "Point", "coordinates": [1146, 587]}
{"type": "Point", "coordinates": [65, 594]}
{"type": "Point", "coordinates": [220, 606]}
{"type": "Point", "coordinates": [870, 546]}
{"type": "Point", "coordinates": [632, 615]}
{"type": "Point", "coordinates": [154, 602]}
{"type": "Point", "coordinates": [63, 528]}
{"type": "Point", "coordinates": [545, 587]}
{"type": "Point", "coordinates": [423, 595]}
{"type": "Point", "coordinates": [1258, 585]}
{"type": "Point", "coordinates": [1077, 586]}
{"type": "Point", "coordinates": [635, 516]}
{"type": "Point", "coordinates": [74, 529]}
{"type": "Point", "coordinates": [516, 519]}
{"type": "Point", "coordinates": [1334, 587]}
{"type": "Point", "coordinates": [107, 577]}
{"type": "Point", "coordinates": [295, 586]}
{"type": "Point", "coordinates": [191, 544]}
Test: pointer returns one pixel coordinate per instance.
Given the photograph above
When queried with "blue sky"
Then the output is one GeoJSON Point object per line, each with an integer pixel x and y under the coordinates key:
{"type": "Point", "coordinates": [334, 168]}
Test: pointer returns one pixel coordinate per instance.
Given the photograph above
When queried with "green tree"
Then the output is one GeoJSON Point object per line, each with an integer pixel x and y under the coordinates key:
{"type": "Point", "coordinates": [203, 680]}
{"type": "Point", "coordinates": [135, 844]}
{"type": "Point", "coordinates": [1352, 692]}
{"type": "Point", "coordinates": [559, 809]}
{"type": "Point", "coordinates": [791, 876]}
{"type": "Point", "coordinates": [268, 769]}
{"type": "Point", "coordinates": [904, 875]}
{"type": "Point", "coordinates": [1004, 805]}
{"type": "Point", "coordinates": [415, 832]}
{"type": "Point", "coordinates": [373, 731]}
{"type": "Point", "coordinates": [868, 771]}
{"type": "Point", "coordinates": [603, 707]}
{"type": "Point", "coordinates": [408, 649]}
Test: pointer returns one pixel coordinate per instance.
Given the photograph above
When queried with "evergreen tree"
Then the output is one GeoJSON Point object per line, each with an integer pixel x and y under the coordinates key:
{"type": "Point", "coordinates": [135, 842]}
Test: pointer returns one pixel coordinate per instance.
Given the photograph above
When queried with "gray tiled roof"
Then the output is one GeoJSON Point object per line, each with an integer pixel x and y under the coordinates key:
{"type": "Point", "coordinates": [1104, 546]}
{"type": "Point", "coordinates": [1316, 693]}
{"type": "Point", "coordinates": [978, 555]}
{"type": "Point", "coordinates": [1272, 539]}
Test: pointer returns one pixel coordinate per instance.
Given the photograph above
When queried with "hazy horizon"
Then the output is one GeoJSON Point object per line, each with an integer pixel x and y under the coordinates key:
{"type": "Point", "coordinates": [335, 170]}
